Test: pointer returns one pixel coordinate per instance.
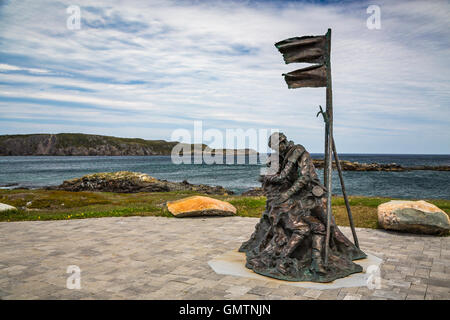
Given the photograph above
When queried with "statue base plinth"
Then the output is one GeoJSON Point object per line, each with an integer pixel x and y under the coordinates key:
{"type": "Point", "coordinates": [233, 263]}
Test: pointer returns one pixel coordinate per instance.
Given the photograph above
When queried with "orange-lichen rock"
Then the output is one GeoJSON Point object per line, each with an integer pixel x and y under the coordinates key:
{"type": "Point", "coordinates": [199, 206]}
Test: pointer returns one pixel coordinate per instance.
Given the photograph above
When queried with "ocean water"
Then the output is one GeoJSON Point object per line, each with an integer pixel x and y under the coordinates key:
{"type": "Point", "coordinates": [37, 171]}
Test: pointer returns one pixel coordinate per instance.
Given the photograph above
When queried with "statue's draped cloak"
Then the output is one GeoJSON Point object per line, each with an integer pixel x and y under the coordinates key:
{"type": "Point", "coordinates": [280, 220]}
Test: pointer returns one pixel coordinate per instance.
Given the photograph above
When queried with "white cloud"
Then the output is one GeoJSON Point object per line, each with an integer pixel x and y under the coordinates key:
{"type": "Point", "coordinates": [8, 67]}
{"type": "Point", "coordinates": [216, 61]}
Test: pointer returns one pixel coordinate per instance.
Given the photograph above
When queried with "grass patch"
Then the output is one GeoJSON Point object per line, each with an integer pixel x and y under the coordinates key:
{"type": "Point", "coordinates": [62, 205]}
{"type": "Point", "coordinates": [248, 206]}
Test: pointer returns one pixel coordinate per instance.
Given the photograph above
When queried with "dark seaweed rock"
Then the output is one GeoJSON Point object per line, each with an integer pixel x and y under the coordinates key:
{"type": "Point", "coordinates": [132, 182]}
{"type": "Point", "coordinates": [254, 192]}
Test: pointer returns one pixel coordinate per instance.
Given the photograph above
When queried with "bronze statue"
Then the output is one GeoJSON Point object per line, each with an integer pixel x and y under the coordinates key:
{"type": "Point", "coordinates": [288, 242]}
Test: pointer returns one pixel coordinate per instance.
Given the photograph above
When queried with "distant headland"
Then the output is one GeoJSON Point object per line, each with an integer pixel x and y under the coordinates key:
{"type": "Point", "coordinates": [78, 144]}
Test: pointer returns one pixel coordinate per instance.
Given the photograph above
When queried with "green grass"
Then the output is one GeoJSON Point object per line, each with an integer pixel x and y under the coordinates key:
{"type": "Point", "coordinates": [59, 205]}
{"type": "Point", "coordinates": [248, 206]}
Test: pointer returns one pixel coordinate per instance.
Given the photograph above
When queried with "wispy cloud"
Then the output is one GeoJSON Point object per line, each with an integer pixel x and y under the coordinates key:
{"type": "Point", "coordinates": [7, 67]}
{"type": "Point", "coordinates": [159, 65]}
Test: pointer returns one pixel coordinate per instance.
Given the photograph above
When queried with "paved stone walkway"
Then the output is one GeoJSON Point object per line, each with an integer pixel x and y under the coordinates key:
{"type": "Point", "coordinates": [166, 258]}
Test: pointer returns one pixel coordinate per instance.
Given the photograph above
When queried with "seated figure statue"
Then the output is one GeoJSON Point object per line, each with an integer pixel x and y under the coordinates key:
{"type": "Point", "coordinates": [288, 242]}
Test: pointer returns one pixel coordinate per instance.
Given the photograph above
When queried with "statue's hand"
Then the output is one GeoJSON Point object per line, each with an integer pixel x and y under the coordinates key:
{"type": "Point", "coordinates": [271, 178]}
{"type": "Point", "coordinates": [282, 198]}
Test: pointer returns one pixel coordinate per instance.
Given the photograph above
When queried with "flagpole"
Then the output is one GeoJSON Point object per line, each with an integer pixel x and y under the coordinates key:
{"type": "Point", "coordinates": [328, 151]}
{"type": "Point", "coordinates": [317, 50]}
{"type": "Point", "coordinates": [325, 162]}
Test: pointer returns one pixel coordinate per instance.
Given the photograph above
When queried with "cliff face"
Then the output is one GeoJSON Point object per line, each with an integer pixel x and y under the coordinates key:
{"type": "Point", "coordinates": [67, 144]}
{"type": "Point", "coordinates": [78, 144]}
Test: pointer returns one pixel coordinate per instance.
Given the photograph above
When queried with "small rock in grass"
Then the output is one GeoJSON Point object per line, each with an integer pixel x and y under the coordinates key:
{"type": "Point", "coordinates": [6, 207]}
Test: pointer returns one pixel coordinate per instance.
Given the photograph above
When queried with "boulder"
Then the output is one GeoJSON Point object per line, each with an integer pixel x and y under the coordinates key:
{"type": "Point", "coordinates": [413, 216]}
{"type": "Point", "coordinates": [200, 206]}
{"type": "Point", "coordinates": [6, 207]}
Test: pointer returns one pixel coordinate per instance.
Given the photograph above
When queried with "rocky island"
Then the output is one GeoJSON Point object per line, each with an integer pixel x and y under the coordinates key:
{"type": "Point", "coordinates": [132, 182]}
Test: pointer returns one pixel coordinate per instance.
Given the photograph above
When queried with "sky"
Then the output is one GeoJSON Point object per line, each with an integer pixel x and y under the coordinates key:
{"type": "Point", "coordinates": [148, 68]}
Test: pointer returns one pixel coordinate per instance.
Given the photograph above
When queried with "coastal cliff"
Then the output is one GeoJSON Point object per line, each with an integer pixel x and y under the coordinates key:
{"type": "Point", "coordinates": [77, 144]}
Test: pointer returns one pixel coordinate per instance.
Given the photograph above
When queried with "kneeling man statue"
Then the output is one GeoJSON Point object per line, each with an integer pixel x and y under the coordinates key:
{"type": "Point", "coordinates": [288, 242]}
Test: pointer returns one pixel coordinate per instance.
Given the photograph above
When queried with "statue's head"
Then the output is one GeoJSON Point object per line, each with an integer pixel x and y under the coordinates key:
{"type": "Point", "coordinates": [278, 141]}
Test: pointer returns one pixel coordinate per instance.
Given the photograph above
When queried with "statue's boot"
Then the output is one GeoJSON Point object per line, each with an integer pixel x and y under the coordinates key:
{"type": "Point", "coordinates": [316, 254]}
{"type": "Point", "coordinates": [290, 247]}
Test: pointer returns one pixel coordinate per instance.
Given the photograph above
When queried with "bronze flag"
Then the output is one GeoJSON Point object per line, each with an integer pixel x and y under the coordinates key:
{"type": "Point", "coordinates": [311, 49]}
{"type": "Point", "coordinates": [314, 76]}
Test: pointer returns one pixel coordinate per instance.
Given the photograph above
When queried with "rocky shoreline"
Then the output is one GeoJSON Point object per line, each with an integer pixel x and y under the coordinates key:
{"type": "Point", "coordinates": [129, 182]}
{"type": "Point", "coordinates": [356, 166]}
{"type": "Point", "coordinates": [133, 182]}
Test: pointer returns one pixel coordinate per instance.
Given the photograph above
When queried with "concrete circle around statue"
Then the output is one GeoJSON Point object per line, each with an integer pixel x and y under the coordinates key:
{"type": "Point", "coordinates": [233, 263]}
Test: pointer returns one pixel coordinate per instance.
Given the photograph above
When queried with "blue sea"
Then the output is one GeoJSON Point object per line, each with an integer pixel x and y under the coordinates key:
{"type": "Point", "coordinates": [39, 171]}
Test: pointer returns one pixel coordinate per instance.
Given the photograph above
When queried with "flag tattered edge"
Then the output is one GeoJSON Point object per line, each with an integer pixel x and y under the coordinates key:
{"type": "Point", "coordinates": [313, 76]}
{"type": "Point", "coordinates": [310, 49]}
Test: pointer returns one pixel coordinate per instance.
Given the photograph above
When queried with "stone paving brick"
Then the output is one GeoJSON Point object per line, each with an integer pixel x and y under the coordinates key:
{"type": "Point", "coordinates": [415, 296]}
{"type": "Point", "coordinates": [438, 283]}
{"type": "Point", "coordinates": [394, 276]}
{"type": "Point", "coordinates": [388, 267]}
{"type": "Point", "coordinates": [364, 291]}
{"type": "Point", "coordinates": [330, 294]}
{"type": "Point", "coordinates": [353, 297]}
{"type": "Point", "coordinates": [298, 297]}
{"type": "Point", "coordinates": [440, 275]}
{"type": "Point", "coordinates": [397, 283]}
{"type": "Point", "coordinates": [390, 295]}
{"type": "Point", "coordinates": [349, 290]}
{"type": "Point", "coordinates": [270, 284]}
{"type": "Point", "coordinates": [312, 293]}
{"type": "Point", "coordinates": [416, 280]}
{"type": "Point", "coordinates": [301, 291]}
{"type": "Point", "coordinates": [422, 272]}
{"type": "Point", "coordinates": [236, 291]}
{"type": "Point", "coordinates": [260, 291]}
{"type": "Point", "coordinates": [131, 258]}
{"type": "Point", "coordinates": [430, 296]}
{"type": "Point", "coordinates": [418, 288]}
{"type": "Point", "coordinates": [406, 270]}
{"type": "Point", "coordinates": [287, 291]}
{"type": "Point", "coordinates": [249, 296]}
{"type": "Point", "coordinates": [438, 289]}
